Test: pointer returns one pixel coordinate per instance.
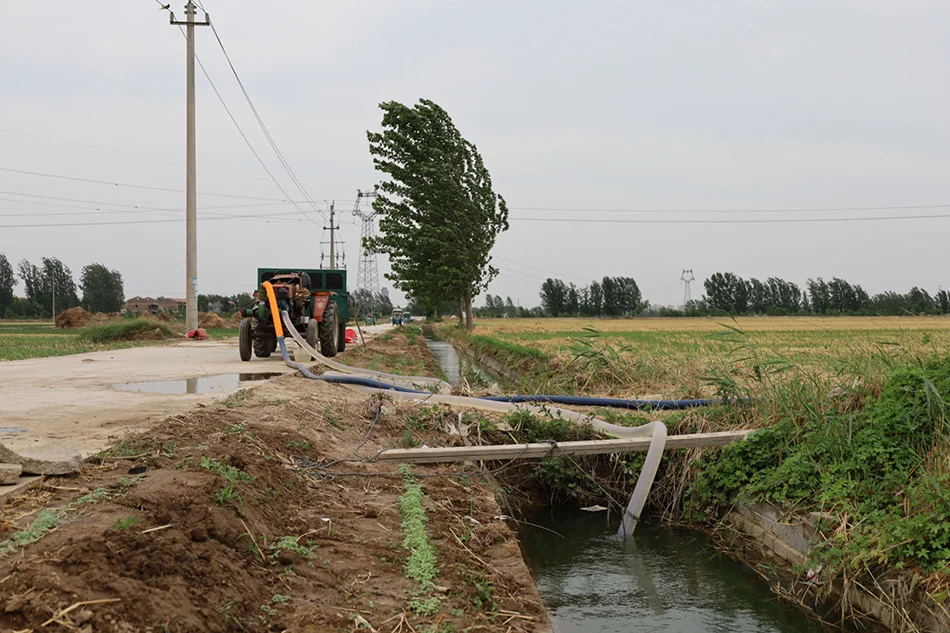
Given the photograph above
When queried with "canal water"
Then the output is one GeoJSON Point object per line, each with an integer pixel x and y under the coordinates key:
{"type": "Point", "coordinates": [448, 359]}
{"type": "Point", "coordinates": [665, 580]}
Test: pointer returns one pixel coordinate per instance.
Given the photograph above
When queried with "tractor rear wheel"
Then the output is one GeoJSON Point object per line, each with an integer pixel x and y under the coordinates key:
{"type": "Point", "coordinates": [313, 336]}
{"type": "Point", "coordinates": [329, 333]}
{"type": "Point", "coordinates": [341, 338]}
{"type": "Point", "coordinates": [244, 339]}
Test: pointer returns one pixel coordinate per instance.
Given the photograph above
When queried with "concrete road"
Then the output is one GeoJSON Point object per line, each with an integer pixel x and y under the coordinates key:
{"type": "Point", "coordinates": [74, 400]}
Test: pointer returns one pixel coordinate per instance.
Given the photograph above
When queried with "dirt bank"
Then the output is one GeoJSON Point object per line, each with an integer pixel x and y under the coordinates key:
{"type": "Point", "coordinates": [261, 514]}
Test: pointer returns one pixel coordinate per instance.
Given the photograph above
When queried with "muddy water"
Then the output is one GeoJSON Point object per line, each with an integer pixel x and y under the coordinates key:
{"type": "Point", "coordinates": [666, 581]}
{"type": "Point", "coordinates": [204, 384]}
{"type": "Point", "coordinates": [448, 359]}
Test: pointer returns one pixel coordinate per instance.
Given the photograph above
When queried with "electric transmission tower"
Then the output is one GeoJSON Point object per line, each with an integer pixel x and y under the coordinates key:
{"type": "Point", "coordinates": [367, 275]}
{"type": "Point", "coordinates": [687, 278]}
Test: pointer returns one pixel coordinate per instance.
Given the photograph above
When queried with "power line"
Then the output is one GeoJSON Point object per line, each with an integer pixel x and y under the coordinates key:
{"type": "Point", "coordinates": [769, 221]}
{"type": "Point", "coordinates": [131, 186]}
{"type": "Point", "coordinates": [280, 216]}
{"type": "Point", "coordinates": [786, 210]}
{"type": "Point", "coordinates": [238, 126]}
{"type": "Point", "coordinates": [124, 208]}
{"type": "Point", "coordinates": [260, 121]}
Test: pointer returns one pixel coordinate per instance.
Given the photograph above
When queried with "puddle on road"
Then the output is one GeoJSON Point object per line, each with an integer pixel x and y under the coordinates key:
{"type": "Point", "coordinates": [204, 384]}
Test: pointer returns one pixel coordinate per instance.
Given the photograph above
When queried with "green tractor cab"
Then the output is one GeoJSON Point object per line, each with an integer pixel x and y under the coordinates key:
{"type": "Point", "coordinates": [315, 299]}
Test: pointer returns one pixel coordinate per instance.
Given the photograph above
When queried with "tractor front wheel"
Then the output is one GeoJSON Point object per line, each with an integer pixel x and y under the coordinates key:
{"type": "Point", "coordinates": [264, 346]}
{"type": "Point", "coordinates": [329, 333]}
{"type": "Point", "coordinates": [244, 339]}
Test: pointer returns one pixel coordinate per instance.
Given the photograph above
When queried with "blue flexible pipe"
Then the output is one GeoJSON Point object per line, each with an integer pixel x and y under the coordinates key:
{"type": "Point", "coordinates": [346, 380]}
{"type": "Point", "coordinates": [615, 403]}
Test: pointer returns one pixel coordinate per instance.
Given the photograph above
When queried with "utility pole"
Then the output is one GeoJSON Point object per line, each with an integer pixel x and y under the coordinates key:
{"type": "Point", "coordinates": [332, 229]}
{"type": "Point", "coordinates": [54, 298]}
{"type": "Point", "coordinates": [191, 191]}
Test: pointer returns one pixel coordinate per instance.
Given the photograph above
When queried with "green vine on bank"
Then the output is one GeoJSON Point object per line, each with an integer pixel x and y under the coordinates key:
{"type": "Point", "coordinates": [421, 564]}
{"type": "Point", "coordinates": [878, 473]}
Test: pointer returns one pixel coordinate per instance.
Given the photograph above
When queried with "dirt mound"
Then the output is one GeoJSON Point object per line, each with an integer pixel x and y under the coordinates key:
{"type": "Point", "coordinates": [166, 317]}
{"type": "Point", "coordinates": [74, 317]}
{"type": "Point", "coordinates": [102, 317]}
{"type": "Point", "coordinates": [210, 320]}
{"type": "Point", "coordinates": [214, 523]}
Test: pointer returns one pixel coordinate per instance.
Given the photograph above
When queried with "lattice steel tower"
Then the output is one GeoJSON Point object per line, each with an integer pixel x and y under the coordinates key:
{"type": "Point", "coordinates": [687, 278]}
{"type": "Point", "coordinates": [367, 275]}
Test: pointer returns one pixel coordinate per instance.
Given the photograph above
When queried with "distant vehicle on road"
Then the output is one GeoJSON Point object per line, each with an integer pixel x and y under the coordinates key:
{"type": "Point", "coordinates": [397, 317]}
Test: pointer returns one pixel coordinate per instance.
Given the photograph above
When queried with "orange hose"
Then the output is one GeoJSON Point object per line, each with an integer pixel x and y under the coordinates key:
{"type": "Point", "coordinates": [274, 312]}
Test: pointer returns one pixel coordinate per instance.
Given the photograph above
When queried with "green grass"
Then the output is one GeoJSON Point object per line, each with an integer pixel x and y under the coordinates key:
{"type": "Point", "coordinates": [46, 521]}
{"type": "Point", "coordinates": [20, 340]}
{"type": "Point", "coordinates": [127, 330]}
{"type": "Point", "coordinates": [421, 564]}
{"type": "Point", "coordinates": [874, 462]}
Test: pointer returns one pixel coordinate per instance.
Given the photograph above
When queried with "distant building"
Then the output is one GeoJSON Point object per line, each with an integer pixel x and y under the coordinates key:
{"type": "Point", "coordinates": [384, 292]}
{"type": "Point", "coordinates": [139, 305]}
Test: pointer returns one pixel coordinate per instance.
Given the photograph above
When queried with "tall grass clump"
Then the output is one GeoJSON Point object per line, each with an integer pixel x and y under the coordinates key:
{"type": "Point", "coordinates": [127, 330]}
{"type": "Point", "coordinates": [871, 460]}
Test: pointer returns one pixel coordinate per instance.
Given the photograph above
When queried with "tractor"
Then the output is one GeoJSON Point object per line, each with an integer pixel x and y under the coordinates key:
{"type": "Point", "coordinates": [315, 299]}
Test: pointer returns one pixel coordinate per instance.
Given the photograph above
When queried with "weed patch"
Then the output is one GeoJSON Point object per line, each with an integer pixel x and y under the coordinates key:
{"type": "Point", "coordinates": [46, 521]}
{"type": "Point", "coordinates": [421, 565]}
{"type": "Point", "coordinates": [127, 330]}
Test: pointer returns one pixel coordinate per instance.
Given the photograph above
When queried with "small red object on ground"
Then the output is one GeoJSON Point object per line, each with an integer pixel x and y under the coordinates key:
{"type": "Point", "coordinates": [199, 334]}
{"type": "Point", "coordinates": [351, 335]}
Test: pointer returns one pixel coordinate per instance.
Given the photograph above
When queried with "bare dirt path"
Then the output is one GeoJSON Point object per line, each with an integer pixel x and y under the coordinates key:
{"type": "Point", "coordinates": [72, 401]}
{"type": "Point", "coordinates": [268, 513]}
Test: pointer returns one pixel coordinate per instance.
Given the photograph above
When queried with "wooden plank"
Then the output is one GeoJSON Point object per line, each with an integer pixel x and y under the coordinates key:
{"type": "Point", "coordinates": [541, 450]}
{"type": "Point", "coordinates": [25, 483]}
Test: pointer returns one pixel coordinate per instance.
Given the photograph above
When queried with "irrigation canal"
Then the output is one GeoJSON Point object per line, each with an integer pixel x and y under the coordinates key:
{"type": "Point", "coordinates": [663, 580]}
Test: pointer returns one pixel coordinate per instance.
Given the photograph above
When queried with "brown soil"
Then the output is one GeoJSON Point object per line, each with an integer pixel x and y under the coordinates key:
{"type": "Point", "coordinates": [221, 559]}
{"type": "Point", "coordinates": [73, 317]}
{"type": "Point", "coordinates": [210, 320]}
{"type": "Point", "coordinates": [397, 352]}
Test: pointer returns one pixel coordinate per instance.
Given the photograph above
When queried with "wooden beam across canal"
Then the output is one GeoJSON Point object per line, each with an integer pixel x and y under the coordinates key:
{"type": "Point", "coordinates": [547, 449]}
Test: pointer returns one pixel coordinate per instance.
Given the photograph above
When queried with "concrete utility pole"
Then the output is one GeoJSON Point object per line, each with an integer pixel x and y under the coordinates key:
{"type": "Point", "coordinates": [332, 228]}
{"type": "Point", "coordinates": [54, 298]}
{"type": "Point", "coordinates": [191, 190]}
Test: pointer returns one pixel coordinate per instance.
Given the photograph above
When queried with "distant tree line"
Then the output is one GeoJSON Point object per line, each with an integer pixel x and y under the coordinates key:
{"type": "Point", "coordinates": [224, 303]}
{"type": "Point", "coordinates": [102, 289]}
{"type": "Point", "coordinates": [729, 293]}
{"type": "Point", "coordinates": [367, 302]}
{"type": "Point", "coordinates": [610, 297]}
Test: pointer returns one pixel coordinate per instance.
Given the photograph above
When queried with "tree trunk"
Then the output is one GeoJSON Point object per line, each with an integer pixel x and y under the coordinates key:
{"type": "Point", "coordinates": [461, 311]}
{"type": "Point", "coordinates": [469, 319]}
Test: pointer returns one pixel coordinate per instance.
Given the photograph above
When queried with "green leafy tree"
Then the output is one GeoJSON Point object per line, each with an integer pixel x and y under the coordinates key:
{"type": "Point", "coordinates": [102, 289]}
{"type": "Point", "coordinates": [7, 282]}
{"type": "Point", "coordinates": [42, 282]}
{"type": "Point", "coordinates": [439, 216]}
{"type": "Point", "coordinates": [554, 296]}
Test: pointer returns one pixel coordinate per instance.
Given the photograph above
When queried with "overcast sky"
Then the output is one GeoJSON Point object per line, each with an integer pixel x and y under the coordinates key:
{"type": "Point", "coordinates": [756, 105]}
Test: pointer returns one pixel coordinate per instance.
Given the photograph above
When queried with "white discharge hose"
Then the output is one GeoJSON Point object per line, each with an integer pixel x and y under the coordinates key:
{"type": "Point", "coordinates": [656, 431]}
{"type": "Point", "coordinates": [423, 382]}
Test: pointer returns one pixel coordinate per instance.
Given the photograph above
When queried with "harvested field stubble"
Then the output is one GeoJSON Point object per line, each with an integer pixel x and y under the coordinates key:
{"type": "Point", "coordinates": [233, 522]}
{"type": "Point", "coordinates": [686, 357]}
